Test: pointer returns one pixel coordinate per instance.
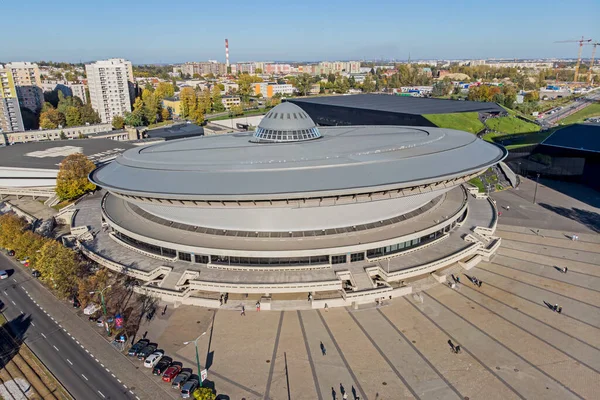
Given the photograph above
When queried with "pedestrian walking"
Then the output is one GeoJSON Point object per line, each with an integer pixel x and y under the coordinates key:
{"type": "Point", "coordinates": [451, 345]}
{"type": "Point", "coordinates": [144, 336]}
{"type": "Point", "coordinates": [243, 314]}
{"type": "Point", "coordinates": [559, 310]}
{"type": "Point", "coordinates": [221, 300]}
{"type": "Point", "coordinates": [479, 283]}
{"type": "Point", "coordinates": [164, 309]}
{"type": "Point", "coordinates": [457, 349]}
{"type": "Point", "coordinates": [226, 297]}
{"type": "Point", "coordinates": [566, 269]}
{"type": "Point", "coordinates": [323, 349]}
{"type": "Point", "coordinates": [326, 308]}
{"type": "Point", "coordinates": [458, 279]}
{"type": "Point", "coordinates": [555, 307]}
{"type": "Point", "coordinates": [345, 396]}
{"type": "Point", "coordinates": [507, 208]}
{"type": "Point", "coordinates": [258, 306]}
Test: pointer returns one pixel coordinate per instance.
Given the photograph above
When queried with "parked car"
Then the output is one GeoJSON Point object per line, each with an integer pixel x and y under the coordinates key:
{"type": "Point", "coordinates": [3, 274]}
{"type": "Point", "coordinates": [137, 347]}
{"type": "Point", "coordinates": [153, 359]}
{"type": "Point", "coordinates": [35, 273]}
{"type": "Point", "coordinates": [11, 253]}
{"type": "Point", "coordinates": [188, 388]}
{"type": "Point", "coordinates": [171, 373]}
{"type": "Point", "coordinates": [162, 365]}
{"type": "Point", "coordinates": [146, 351]}
{"type": "Point", "coordinates": [181, 379]}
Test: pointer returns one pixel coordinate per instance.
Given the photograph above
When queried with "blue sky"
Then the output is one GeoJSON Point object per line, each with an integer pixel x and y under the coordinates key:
{"type": "Point", "coordinates": [183, 30]}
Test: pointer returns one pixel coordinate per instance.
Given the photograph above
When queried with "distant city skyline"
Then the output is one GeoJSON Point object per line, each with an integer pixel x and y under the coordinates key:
{"type": "Point", "coordinates": [150, 32]}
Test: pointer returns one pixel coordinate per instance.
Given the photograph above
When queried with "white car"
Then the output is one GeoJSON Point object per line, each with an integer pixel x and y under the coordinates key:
{"type": "Point", "coordinates": [153, 359]}
{"type": "Point", "coordinates": [3, 274]}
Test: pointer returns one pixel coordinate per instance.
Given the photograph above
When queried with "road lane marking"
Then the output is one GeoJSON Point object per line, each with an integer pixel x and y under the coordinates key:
{"type": "Point", "coordinates": [22, 312]}
{"type": "Point", "coordinates": [87, 351]}
{"type": "Point", "coordinates": [43, 335]}
{"type": "Point", "coordinates": [32, 324]}
{"type": "Point", "coordinates": [56, 348]}
{"type": "Point", "coordinates": [118, 380]}
{"type": "Point", "coordinates": [69, 361]}
{"type": "Point", "coordinates": [102, 365]}
{"type": "Point", "coordinates": [131, 391]}
{"type": "Point", "coordinates": [85, 377]}
{"type": "Point", "coordinates": [107, 370]}
{"type": "Point", "coordinates": [101, 394]}
{"type": "Point", "coordinates": [113, 375]}
{"type": "Point", "coordinates": [13, 303]}
{"type": "Point", "coordinates": [14, 279]}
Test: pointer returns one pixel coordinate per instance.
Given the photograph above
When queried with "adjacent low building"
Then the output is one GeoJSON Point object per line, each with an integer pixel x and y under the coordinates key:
{"type": "Point", "coordinates": [231, 101]}
{"type": "Point", "coordinates": [270, 89]}
{"type": "Point", "coordinates": [348, 214]}
{"type": "Point", "coordinates": [40, 135]}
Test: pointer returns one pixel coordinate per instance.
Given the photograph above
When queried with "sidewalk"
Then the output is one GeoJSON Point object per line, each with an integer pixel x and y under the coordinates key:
{"type": "Point", "coordinates": [125, 370]}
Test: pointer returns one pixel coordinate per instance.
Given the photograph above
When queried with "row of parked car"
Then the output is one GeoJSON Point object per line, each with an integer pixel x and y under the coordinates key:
{"type": "Point", "coordinates": [172, 372]}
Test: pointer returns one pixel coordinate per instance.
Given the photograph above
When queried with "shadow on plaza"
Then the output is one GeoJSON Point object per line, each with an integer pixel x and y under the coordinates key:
{"type": "Point", "coordinates": [12, 335]}
{"type": "Point", "coordinates": [575, 190]}
{"type": "Point", "coordinates": [588, 218]}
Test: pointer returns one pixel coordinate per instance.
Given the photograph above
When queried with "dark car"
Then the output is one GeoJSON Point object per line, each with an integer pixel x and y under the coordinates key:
{"type": "Point", "coordinates": [36, 273]}
{"type": "Point", "coordinates": [11, 253]}
{"type": "Point", "coordinates": [188, 388]}
{"type": "Point", "coordinates": [181, 379]}
{"type": "Point", "coordinates": [171, 373]}
{"type": "Point", "coordinates": [139, 346]}
{"type": "Point", "coordinates": [146, 351]}
{"type": "Point", "coordinates": [162, 365]}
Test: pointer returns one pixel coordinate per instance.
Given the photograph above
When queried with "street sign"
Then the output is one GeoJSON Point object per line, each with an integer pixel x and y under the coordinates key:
{"type": "Point", "coordinates": [203, 375]}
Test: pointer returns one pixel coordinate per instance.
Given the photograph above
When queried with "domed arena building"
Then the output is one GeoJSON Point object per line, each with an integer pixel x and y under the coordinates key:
{"type": "Point", "coordinates": [347, 214]}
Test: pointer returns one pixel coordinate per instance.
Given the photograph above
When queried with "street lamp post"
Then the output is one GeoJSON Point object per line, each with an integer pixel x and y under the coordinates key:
{"type": "Point", "coordinates": [197, 357]}
{"type": "Point", "coordinates": [104, 306]}
{"type": "Point", "coordinates": [537, 179]}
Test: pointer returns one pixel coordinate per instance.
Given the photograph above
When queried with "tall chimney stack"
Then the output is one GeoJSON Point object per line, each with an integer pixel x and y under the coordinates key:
{"type": "Point", "coordinates": [227, 52]}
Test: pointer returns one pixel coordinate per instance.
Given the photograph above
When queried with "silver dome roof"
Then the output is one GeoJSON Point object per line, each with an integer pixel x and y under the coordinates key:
{"type": "Point", "coordinates": [286, 122]}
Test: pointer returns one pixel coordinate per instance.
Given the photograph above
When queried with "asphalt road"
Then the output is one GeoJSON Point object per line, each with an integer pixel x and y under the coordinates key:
{"type": "Point", "coordinates": [78, 371]}
{"type": "Point", "coordinates": [550, 119]}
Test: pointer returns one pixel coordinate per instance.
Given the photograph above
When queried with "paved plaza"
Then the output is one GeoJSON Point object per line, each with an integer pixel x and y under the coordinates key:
{"type": "Point", "coordinates": [513, 345]}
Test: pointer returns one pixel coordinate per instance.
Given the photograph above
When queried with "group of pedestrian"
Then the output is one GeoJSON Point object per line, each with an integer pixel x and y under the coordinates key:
{"type": "Point", "coordinates": [223, 298]}
{"type": "Point", "coordinates": [455, 349]}
{"type": "Point", "coordinates": [476, 282]}
{"type": "Point", "coordinates": [574, 238]}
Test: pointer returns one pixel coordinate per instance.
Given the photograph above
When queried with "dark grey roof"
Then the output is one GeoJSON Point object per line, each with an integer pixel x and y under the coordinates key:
{"type": "Point", "coordinates": [178, 131]}
{"type": "Point", "coordinates": [345, 160]}
{"type": "Point", "coordinates": [585, 137]}
{"type": "Point", "coordinates": [48, 154]}
{"type": "Point", "coordinates": [400, 104]}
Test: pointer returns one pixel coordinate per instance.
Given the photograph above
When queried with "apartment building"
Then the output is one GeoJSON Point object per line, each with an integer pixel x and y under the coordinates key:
{"type": "Point", "coordinates": [230, 101]}
{"type": "Point", "coordinates": [280, 69]}
{"type": "Point", "coordinates": [201, 68]}
{"type": "Point", "coordinates": [270, 89]}
{"type": "Point", "coordinates": [10, 113]}
{"type": "Point", "coordinates": [111, 87]}
{"type": "Point", "coordinates": [67, 88]}
{"type": "Point", "coordinates": [241, 68]}
{"type": "Point", "coordinates": [28, 84]}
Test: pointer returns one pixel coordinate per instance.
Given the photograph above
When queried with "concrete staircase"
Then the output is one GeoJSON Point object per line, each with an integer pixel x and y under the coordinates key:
{"type": "Point", "coordinates": [171, 280]}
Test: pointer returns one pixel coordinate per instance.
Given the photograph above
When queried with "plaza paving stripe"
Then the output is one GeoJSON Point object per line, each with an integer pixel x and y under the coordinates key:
{"type": "Point", "coordinates": [497, 262]}
{"type": "Point", "coordinates": [549, 241]}
{"type": "Point", "coordinates": [337, 347]}
{"type": "Point", "coordinates": [372, 368]}
{"type": "Point", "coordinates": [542, 315]}
{"type": "Point", "coordinates": [573, 251]}
{"type": "Point", "coordinates": [530, 350]}
{"type": "Point", "coordinates": [578, 266]}
{"type": "Point", "coordinates": [310, 360]}
{"type": "Point", "coordinates": [572, 309]}
{"type": "Point", "coordinates": [547, 271]}
{"type": "Point", "coordinates": [438, 385]}
{"type": "Point", "coordinates": [274, 357]}
{"type": "Point", "coordinates": [523, 282]}
{"type": "Point", "coordinates": [507, 313]}
{"type": "Point", "coordinates": [466, 350]}
{"type": "Point", "coordinates": [292, 370]}
{"type": "Point", "coordinates": [548, 233]}
{"type": "Point", "coordinates": [505, 256]}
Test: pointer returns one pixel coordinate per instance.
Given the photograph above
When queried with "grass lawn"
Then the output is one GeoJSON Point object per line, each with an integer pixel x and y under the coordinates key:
{"type": "Point", "coordinates": [511, 124]}
{"type": "Point", "coordinates": [593, 110]}
{"type": "Point", "coordinates": [260, 111]}
{"type": "Point", "coordinates": [526, 140]}
{"type": "Point", "coordinates": [462, 121]}
{"type": "Point", "coordinates": [477, 182]}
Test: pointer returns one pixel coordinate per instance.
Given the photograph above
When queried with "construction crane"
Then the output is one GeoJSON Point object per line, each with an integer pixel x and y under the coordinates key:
{"type": "Point", "coordinates": [581, 42]}
{"type": "Point", "coordinates": [589, 75]}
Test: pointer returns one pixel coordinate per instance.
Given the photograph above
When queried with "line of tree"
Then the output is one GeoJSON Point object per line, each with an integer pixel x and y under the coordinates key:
{"type": "Point", "coordinates": [148, 108]}
{"type": "Point", "coordinates": [61, 111]}
{"type": "Point", "coordinates": [505, 95]}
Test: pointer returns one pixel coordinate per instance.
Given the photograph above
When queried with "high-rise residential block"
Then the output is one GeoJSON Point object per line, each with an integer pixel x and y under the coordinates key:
{"type": "Point", "coordinates": [10, 113]}
{"type": "Point", "coordinates": [28, 84]}
{"type": "Point", "coordinates": [111, 87]}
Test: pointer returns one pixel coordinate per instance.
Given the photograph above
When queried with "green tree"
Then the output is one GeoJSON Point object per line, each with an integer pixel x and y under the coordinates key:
{"type": "Point", "coordinates": [165, 114]}
{"type": "Point", "coordinates": [151, 106]}
{"type": "Point", "coordinates": [217, 100]}
{"type": "Point", "coordinates": [246, 85]}
{"type": "Point", "coordinates": [72, 180]}
{"type": "Point", "coordinates": [441, 88]}
{"type": "Point", "coordinates": [118, 122]}
{"type": "Point", "coordinates": [73, 116]}
{"type": "Point", "coordinates": [236, 110]}
{"type": "Point", "coordinates": [204, 101]}
{"type": "Point", "coordinates": [133, 119]}
{"type": "Point", "coordinates": [89, 115]}
{"type": "Point", "coordinates": [303, 84]}
{"type": "Point", "coordinates": [188, 100]}
{"type": "Point", "coordinates": [331, 78]}
{"type": "Point", "coordinates": [368, 85]}
{"type": "Point", "coordinates": [51, 119]}
{"type": "Point", "coordinates": [11, 227]}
